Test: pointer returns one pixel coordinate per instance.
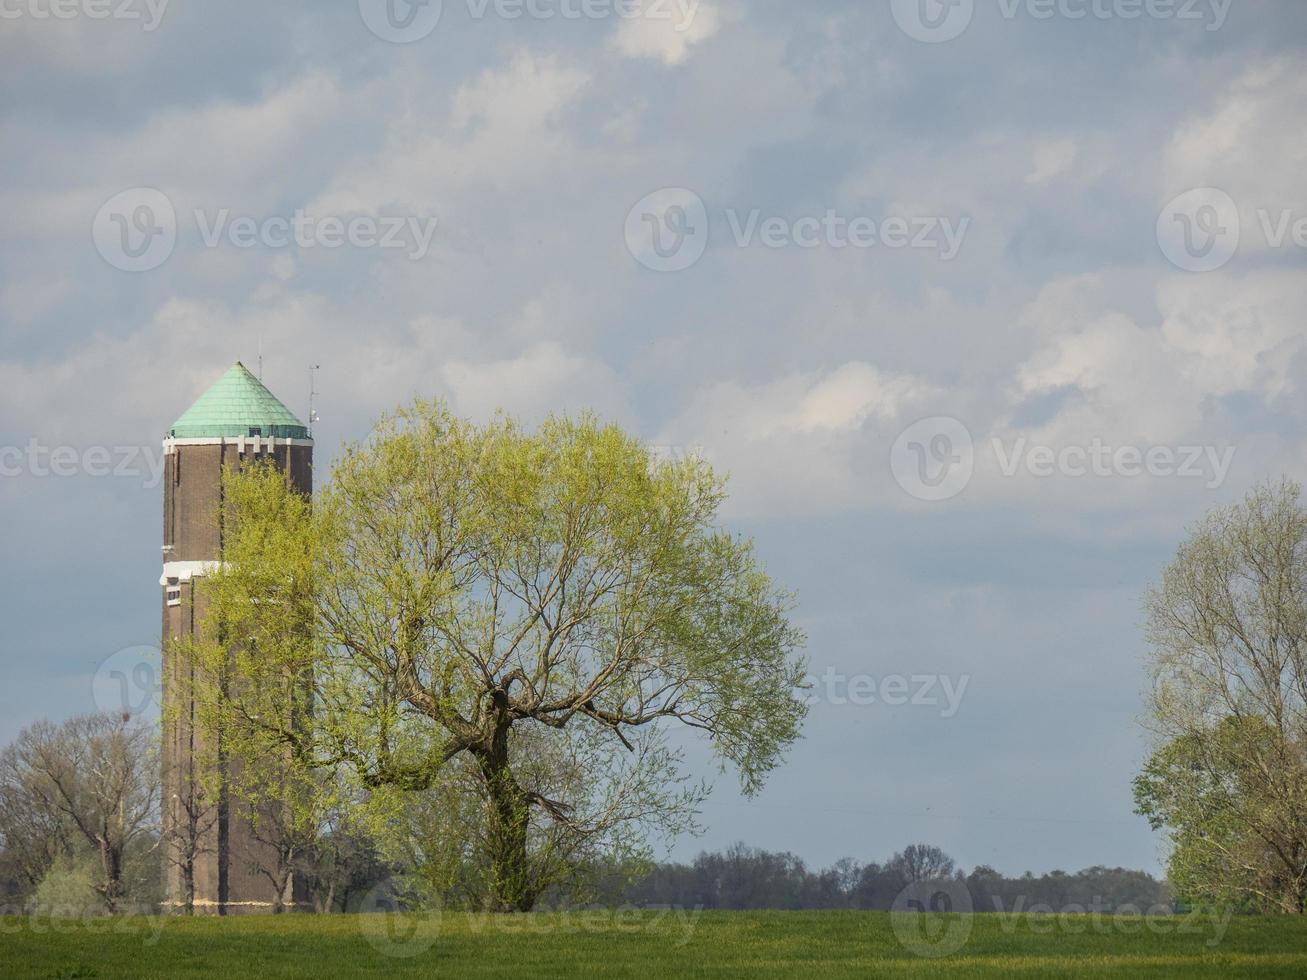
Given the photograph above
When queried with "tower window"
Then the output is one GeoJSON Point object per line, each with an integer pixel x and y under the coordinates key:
{"type": "Point", "coordinates": [173, 593]}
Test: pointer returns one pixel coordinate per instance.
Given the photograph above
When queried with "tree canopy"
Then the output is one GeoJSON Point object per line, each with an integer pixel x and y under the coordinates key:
{"type": "Point", "coordinates": [1227, 627]}
{"type": "Point", "coordinates": [520, 615]}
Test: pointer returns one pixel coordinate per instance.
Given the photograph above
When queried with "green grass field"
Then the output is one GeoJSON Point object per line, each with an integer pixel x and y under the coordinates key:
{"type": "Point", "coordinates": [647, 944]}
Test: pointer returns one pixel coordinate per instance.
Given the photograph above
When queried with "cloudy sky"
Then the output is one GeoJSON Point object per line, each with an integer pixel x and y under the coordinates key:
{"type": "Point", "coordinates": [979, 305]}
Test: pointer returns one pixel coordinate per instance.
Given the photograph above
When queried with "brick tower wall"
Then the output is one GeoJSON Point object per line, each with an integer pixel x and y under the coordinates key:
{"type": "Point", "coordinates": [225, 880]}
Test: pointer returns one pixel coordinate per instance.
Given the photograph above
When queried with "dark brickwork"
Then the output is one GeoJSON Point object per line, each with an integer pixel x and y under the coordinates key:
{"type": "Point", "coordinates": [226, 880]}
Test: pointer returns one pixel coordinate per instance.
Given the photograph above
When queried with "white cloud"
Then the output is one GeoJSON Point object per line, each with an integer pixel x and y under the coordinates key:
{"type": "Point", "coordinates": [503, 129]}
{"type": "Point", "coordinates": [800, 443]}
{"type": "Point", "coordinates": [1051, 159]}
{"type": "Point", "coordinates": [1165, 383]}
{"type": "Point", "coordinates": [229, 147]}
{"type": "Point", "coordinates": [542, 380]}
{"type": "Point", "coordinates": [849, 396]}
{"type": "Point", "coordinates": [1218, 335]}
{"type": "Point", "coordinates": [243, 156]}
{"type": "Point", "coordinates": [667, 31]}
{"type": "Point", "coordinates": [1240, 334]}
{"type": "Point", "coordinates": [1245, 144]}
{"type": "Point", "coordinates": [188, 343]}
{"type": "Point", "coordinates": [1132, 385]}
{"type": "Point", "coordinates": [81, 46]}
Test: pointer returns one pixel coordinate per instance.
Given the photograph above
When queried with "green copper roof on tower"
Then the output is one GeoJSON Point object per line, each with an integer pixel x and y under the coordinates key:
{"type": "Point", "coordinates": [238, 405]}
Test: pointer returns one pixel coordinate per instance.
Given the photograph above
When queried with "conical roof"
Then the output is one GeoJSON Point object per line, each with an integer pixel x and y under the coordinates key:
{"type": "Point", "coordinates": [238, 405]}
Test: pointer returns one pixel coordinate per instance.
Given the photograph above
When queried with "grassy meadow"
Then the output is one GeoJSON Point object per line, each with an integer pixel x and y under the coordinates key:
{"type": "Point", "coordinates": [648, 944]}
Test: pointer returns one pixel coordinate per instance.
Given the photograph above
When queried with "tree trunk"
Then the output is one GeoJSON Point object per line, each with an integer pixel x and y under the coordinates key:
{"type": "Point", "coordinates": [281, 882]}
{"type": "Point", "coordinates": [188, 884]}
{"type": "Point", "coordinates": [111, 862]}
{"type": "Point", "coordinates": [508, 816]}
{"type": "Point", "coordinates": [329, 903]}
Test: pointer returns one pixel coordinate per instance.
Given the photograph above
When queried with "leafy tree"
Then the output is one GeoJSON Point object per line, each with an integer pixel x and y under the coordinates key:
{"type": "Point", "coordinates": [878, 886]}
{"type": "Point", "coordinates": [192, 830]}
{"type": "Point", "coordinates": [1227, 628]}
{"type": "Point", "coordinates": [986, 887]}
{"type": "Point", "coordinates": [748, 878]}
{"type": "Point", "coordinates": [286, 808]}
{"type": "Point", "coordinates": [347, 864]}
{"type": "Point", "coordinates": [32, 836]}
{"type": "Point", "coordinates": [68, 889]}
{"type": "Point", "coordinates": [96, 777]}
{"type": "Point", "coordinates": [922, 862]}
{"type": "Point", "coordinates": [1203, 788]}
{"type": "Point", "coordinates": [744, 877]}
{"type": "Point", "coordinates": [516, 615]}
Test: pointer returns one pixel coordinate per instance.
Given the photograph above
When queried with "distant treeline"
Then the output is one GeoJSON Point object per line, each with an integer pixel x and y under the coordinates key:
{"type": "Point", "coordinates": [747, 878]}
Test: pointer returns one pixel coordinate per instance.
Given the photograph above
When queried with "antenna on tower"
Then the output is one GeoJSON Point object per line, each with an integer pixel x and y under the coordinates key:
{"type": "Point", "coordinates": [313, 393]}
{"type": "Point", "coordinates": [260, 358]}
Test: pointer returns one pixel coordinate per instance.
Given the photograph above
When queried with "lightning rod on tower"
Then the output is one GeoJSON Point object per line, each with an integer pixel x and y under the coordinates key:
{"type": "Point", "coordinates": [313, 392]}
